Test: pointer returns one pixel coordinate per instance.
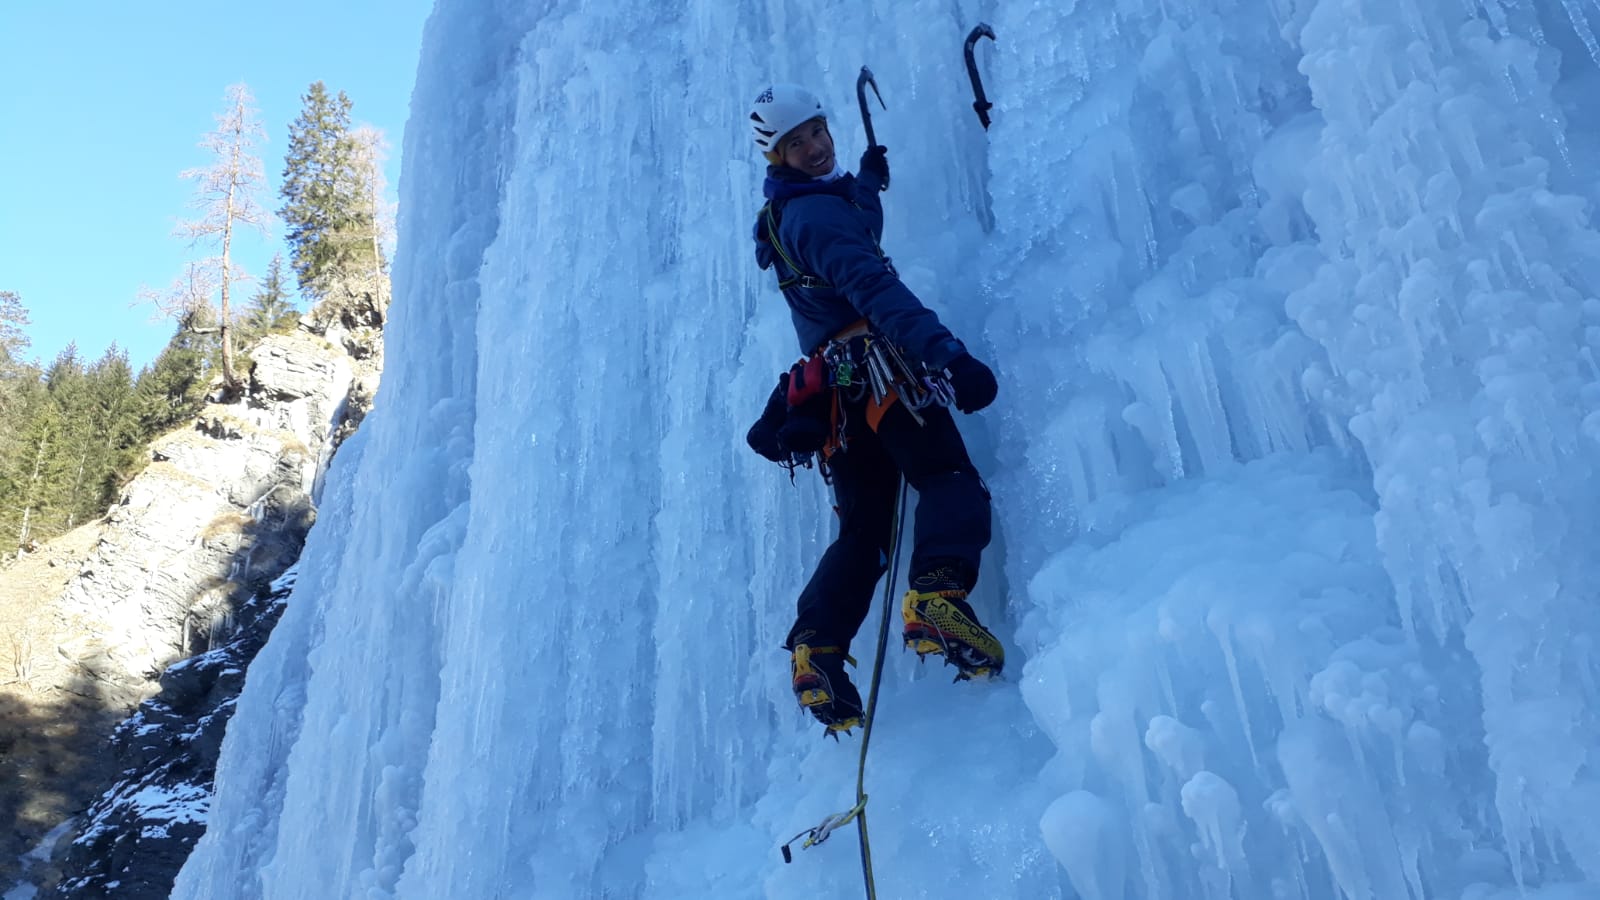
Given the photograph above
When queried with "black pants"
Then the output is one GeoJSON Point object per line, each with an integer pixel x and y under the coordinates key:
{"type": "Point", "coordinates": [952, 516]}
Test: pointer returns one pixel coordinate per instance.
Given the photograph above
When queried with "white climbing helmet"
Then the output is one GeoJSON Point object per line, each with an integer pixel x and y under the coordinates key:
{"type": "Point", "coordinates": [779, 110]}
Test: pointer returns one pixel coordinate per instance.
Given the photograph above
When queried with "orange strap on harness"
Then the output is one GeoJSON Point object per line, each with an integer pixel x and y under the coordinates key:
{"type": "Point", "coordinates": [877, 409]}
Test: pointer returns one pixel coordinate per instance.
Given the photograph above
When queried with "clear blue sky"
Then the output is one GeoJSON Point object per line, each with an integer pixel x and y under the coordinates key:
{"type": "Point", "coordinates": [102, 104]}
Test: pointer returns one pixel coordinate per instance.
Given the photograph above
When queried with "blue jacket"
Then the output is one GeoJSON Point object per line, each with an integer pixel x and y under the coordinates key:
{"type": "Point", "coordinates": [831, 230]}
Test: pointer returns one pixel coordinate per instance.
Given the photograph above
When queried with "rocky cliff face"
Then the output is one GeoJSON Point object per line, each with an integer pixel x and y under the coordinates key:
{"type": "Point", "coordinates": [220, 512]}
{"type": "Point", "coordinates": [187, 567]}
{"type": "Point", "coordinates": [135, 836]}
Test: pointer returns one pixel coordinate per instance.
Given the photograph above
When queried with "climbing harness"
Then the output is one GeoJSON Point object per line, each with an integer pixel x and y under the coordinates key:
{"type": "Point", "coordinates": [981, 104]}
{"type": "Point", "coordinates": [859, 368]}
{"type": "Point", "coordinates": [858, 812]}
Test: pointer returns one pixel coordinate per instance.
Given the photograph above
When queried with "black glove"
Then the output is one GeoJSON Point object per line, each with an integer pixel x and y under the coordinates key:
{"type": "Point", "coordinates": [875, 161]}
{"type": "Point", "coordinates": [803, 432]}
{"type": "Point", "coordinates": [763, 435]}
{"type": "Point", "coordinates": [973, 383]}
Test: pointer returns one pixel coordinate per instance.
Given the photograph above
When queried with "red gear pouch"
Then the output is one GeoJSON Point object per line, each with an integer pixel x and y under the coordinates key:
{"type": "Point", "coordinates": [807, 380]}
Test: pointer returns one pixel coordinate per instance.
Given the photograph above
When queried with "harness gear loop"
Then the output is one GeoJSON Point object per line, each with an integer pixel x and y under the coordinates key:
{"type": "Point", "coordinates": [858, 813]}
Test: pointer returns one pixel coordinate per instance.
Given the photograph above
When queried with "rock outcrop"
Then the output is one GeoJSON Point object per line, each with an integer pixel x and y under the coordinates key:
{"type": "Point", "coordinates": [185, 569]}
{"type": "Point", "coordinates": [135, 837]}
{"type": "Point", "coordinates": [221, 511]}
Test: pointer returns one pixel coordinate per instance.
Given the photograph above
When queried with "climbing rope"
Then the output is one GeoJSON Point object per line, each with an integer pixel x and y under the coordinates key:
{"type": "Point", "coordinates": [858, 813]}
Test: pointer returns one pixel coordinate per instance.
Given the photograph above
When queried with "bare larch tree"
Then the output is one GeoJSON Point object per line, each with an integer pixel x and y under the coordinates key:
{"type": "Point", "coordinates": [371, 149]}
{"type": "Point", "coordinates": [227, 195]}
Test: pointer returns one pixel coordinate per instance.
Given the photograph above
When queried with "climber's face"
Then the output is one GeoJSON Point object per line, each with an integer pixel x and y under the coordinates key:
{"type": "Point", "coordinates": [809, 148]}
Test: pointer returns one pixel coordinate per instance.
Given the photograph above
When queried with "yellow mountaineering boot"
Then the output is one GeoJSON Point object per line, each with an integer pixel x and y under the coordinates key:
{"type": "Point", "coordinates": [823, 688]}
{"type": "Point", "coordinates": [939, 620]}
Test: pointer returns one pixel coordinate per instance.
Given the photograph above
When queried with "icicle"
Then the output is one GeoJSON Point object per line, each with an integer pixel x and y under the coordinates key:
{"type": "Point", "coordinates": [1221, 629]}
{"type": "Point", "coordinates": [1213, 805]}
{"type": "Point", "coordinates": [1085, 834]}
{"type": "Point", "coordinates": [1580, 24]}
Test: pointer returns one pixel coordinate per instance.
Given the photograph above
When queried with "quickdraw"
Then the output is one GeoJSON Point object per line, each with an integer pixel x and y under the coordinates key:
{"type": "Point", "coordinates": [815, 836]}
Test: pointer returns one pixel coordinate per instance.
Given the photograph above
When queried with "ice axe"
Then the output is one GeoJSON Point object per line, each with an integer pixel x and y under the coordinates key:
{"type": "Point", "coordinates": [981, 104]}
{"type": "Point", "coordinates": [862, 80]}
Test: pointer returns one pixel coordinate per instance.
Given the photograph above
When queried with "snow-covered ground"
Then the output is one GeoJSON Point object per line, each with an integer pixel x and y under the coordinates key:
{"type": "Point", "coordinates": [1293, 305]}
{"type": "Point", "coordinates": [40, 854]}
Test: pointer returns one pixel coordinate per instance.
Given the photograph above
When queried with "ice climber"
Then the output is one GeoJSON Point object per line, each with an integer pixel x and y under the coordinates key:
{"type": "Point", "coordinates": [869, 396]}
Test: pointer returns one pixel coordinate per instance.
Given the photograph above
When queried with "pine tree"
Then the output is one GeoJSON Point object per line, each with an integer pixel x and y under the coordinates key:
{"type": "Point", "coordinates": [172, 390]}
{"type": "Point", "coordinates": [76, 446]}
{"type": "Point", "coordinates": [15, 373]}
{"type": "Point", "coordinates": [270, 308]}
{"type": "Point", "coordinates": [29, 400]}
{"type": "Point", "coordinates": [227, 195]}
{"type": "Point", "coordinates": [35, 478]}
{"type": "Point", "coordinates": [100, 430]}
{"type": "Point", "coordinates": [13, 319]}
{"type": "Point", "coordinates": [65, 382]}
{"type": "Point", "coordinates": [20, 391]}
{"type": "Point", "coordinates": [35, 474]}
{"type": "Point", "coordinates": [321, 193]}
